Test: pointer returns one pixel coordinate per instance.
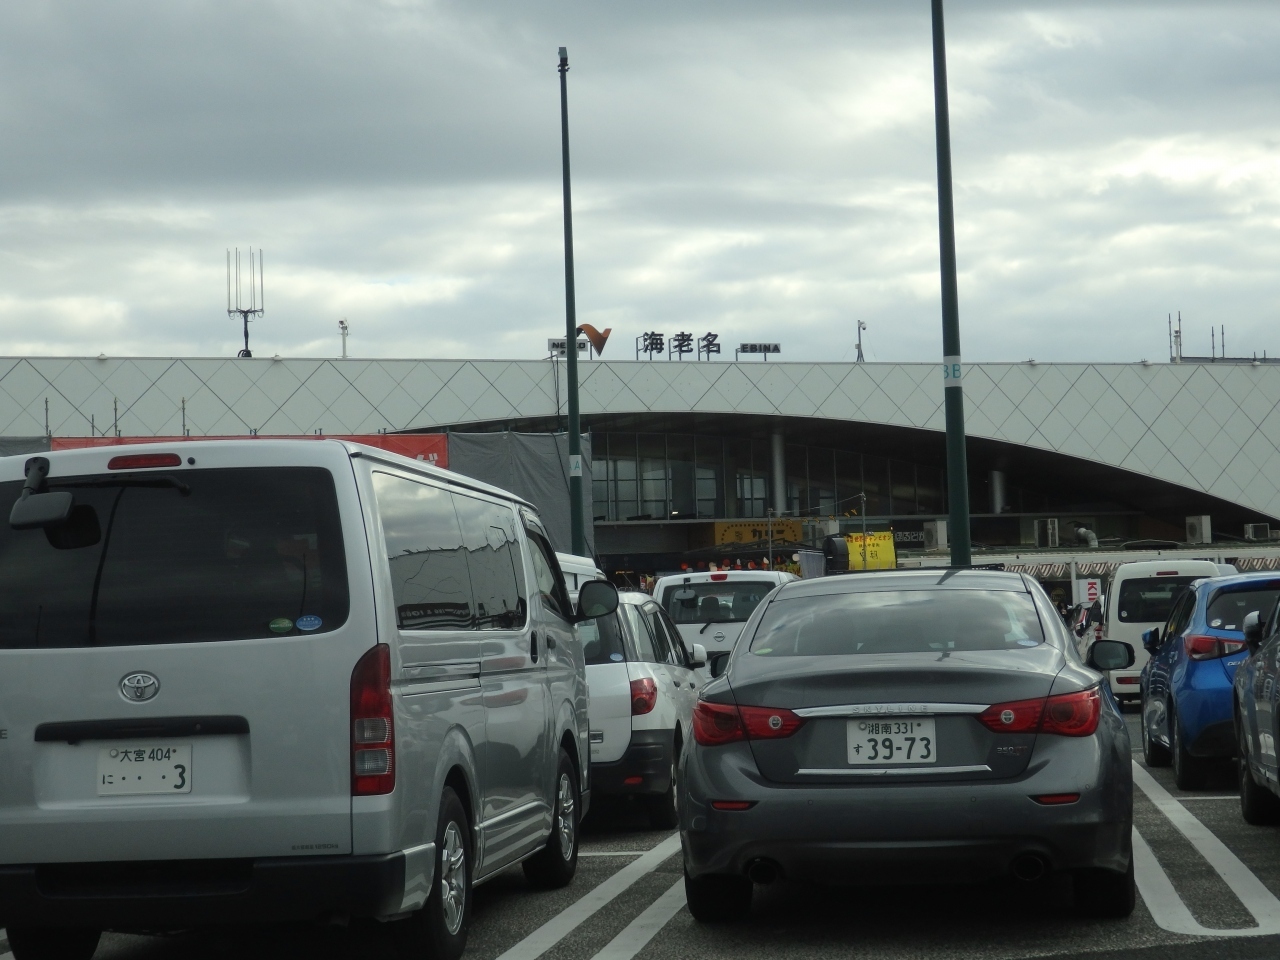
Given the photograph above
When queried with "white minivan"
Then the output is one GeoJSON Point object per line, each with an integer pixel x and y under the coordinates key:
{"type": "Point", "coordinates": [273, 680]}
{"type": "Point", "coordinates": [710, 607]}
{"type": "Point", "coordinates": [644, 683]}
{"type": "Point", "coordinates": [1138, 597]}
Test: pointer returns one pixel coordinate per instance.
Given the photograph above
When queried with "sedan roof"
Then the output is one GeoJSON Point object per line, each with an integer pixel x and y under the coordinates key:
{"type": "Point", "coordinates": [945, 578]}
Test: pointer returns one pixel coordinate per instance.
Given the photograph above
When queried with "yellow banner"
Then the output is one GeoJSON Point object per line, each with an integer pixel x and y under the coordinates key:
{"type": "Point", "coordinates": [749, 531]}
{"type": "Point", "coordinates": [881, 554]}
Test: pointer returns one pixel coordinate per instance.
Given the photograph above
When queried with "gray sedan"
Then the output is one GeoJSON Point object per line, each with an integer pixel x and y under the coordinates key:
{"type": "Point", "coordinates": [908, 726]}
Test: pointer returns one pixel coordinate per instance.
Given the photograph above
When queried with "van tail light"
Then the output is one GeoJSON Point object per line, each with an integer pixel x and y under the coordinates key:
{"type": "Point", "coordinates": [715, 724]}
{"type": "Point", "coordinates": [1210, 648]}
{"type": "Point", "coordinates": [373, 745]}
{"type": "Point", "coordinates": [644, 696]}
{"type": "Point", "coordinates": [1066, 715]}
{"type": "Point", "coordinates": [144, 461]}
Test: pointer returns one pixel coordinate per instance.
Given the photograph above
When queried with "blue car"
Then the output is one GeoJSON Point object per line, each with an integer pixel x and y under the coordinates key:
{"type": "Point", "coordinates": [1187, 713]}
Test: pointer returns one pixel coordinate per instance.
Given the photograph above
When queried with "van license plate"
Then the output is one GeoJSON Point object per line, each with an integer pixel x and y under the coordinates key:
{"type": "Point", "coordinates": [889, 742]}
{"type": "Point", "coordinates": [129, 769]}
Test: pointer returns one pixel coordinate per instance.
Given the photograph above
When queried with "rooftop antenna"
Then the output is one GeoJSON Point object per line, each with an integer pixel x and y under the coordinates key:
{"type": "Point", "coordinates": [1213, 345]}
{"type": "Point", "coordinates": [1170, 337]}
{"type": "Point", "coordinates": [342, 329]}
{"type": "Point", "coordinates": [861, 326]}
{"type": "Point", "coordinates": [257, 295]}
{"type": "Point", "coordinates": [1177, 340]}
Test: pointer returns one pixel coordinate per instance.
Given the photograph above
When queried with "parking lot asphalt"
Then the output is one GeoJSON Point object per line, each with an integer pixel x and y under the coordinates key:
{"type": "Point", "coordinates": [1209, 888]}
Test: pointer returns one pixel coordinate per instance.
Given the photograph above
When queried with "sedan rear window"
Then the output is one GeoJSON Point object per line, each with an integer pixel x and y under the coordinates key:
{"type": "Point", "coordinates": [899, 621]}
{"type": "Point", "coordinates": [195, 555]}
{"type": "Point", "coordinates": [1229, 608]}
{"type": "Point", "coordinates": [725, 601]}
{"type": "Point", "coordinates": [1150, 599]}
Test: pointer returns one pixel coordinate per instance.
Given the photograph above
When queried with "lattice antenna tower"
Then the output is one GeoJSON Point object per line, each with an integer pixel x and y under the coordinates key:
{"type": "Point", "coordinates": [255, 305]}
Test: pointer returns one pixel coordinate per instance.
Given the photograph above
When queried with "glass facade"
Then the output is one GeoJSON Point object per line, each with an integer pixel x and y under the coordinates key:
{"type": "Point", "coordinates": [652, 476]}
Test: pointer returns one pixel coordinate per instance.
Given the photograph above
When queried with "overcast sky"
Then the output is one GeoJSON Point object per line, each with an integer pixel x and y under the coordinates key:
{"type": "Point", "coordinates": [762, 170]}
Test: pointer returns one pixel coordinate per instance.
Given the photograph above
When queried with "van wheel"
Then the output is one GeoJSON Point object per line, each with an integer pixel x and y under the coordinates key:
{"type": "Point", "coordinates": [664, 808]}
{"type": "Point", "coordinates": [717, 899]}
{"type": "Point", "coordinates": [1258, 805]}
{"type": "Point", "coordinates": [439, 930]}
{"type": "Point", "coordinates": [53, 943]}
{"type": "Point", "coordinates": [1105, 893]}
{"type": "Point", "coordinates": [1189, 772]}
{"type": "Point", "coordinates": [556, 863]}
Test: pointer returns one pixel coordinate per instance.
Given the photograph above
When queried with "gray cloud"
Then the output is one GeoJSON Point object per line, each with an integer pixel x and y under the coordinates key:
{"type": "Point", "coordinates": [757, 169]}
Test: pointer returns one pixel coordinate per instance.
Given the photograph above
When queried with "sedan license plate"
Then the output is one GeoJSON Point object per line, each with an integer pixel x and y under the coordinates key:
{"type": "Point", "coordinates": [130, 769]}
{"type": "Point", "coordinates": [885, 742]}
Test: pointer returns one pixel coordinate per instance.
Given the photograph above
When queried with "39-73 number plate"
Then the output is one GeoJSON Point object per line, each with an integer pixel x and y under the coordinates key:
{"type": "Point", "coordinates": [887, 742]}
{"type": "Point", "coordinates": [131, 769]}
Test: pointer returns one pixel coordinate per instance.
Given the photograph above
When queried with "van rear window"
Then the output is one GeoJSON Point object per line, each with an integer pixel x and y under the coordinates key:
{"type": "Point", "coordinates": [196, 555]}
{"type": "Point", "coordinates": [1150, 599]}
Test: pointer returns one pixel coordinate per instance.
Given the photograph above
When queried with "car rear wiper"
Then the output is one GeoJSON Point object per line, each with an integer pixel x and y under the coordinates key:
{"type": "Point", "coordinates": [710, 622]}
{"type": "Point", "coordinates": [159, 482]}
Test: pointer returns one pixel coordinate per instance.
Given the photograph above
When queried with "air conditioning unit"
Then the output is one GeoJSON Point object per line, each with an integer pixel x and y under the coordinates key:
{"type": "Point", "coordinates": [1047, 532]}
{"type": "Point", "coordinates": [1257, 531]}
{"type": "Point", "coordinates": [935, 534]}
{"type": "Point", "coordinates": [1199, 530]}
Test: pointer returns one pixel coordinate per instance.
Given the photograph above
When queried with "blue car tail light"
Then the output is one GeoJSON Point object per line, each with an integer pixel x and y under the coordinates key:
{"type": "Point", "coordinates": [1200, 647]}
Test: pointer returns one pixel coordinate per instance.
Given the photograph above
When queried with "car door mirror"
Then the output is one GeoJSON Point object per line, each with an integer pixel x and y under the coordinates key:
{"type": "Point", "coordinates": [717, 662]}
{"type": "Point", "coordinates": [698, 656]}
{"type": "Point", "coordinates": [1110, 655]}
{"type": "Point", "coordinates": [1252, 630]}
{"type": "Point", "coordinates": [596, 598]}
{"type": "Point", "coordinates": [1151, 640]}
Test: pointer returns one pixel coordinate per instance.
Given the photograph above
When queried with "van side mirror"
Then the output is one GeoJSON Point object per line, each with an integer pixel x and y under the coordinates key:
{"type": "Point", "coordinates": [1253, 630]}
{"type": "Point", "coordinates": [1151, 640]}
{"type": "Point", "coordinates": [596, 598]}
{"type": "Point", "coordinates": [717, 662]}
{"type": "Point", "coordinates": [698, 656]}
{"type": "Point", "coordinates": [1110, 655]}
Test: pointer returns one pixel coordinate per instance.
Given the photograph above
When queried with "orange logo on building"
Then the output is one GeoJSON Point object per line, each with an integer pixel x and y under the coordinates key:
{"type": "Point", "coordinates": [598, 339]}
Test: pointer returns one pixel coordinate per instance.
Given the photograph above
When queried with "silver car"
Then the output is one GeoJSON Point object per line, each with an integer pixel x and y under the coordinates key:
{"type": "Point", "coordinates": [277, 680]}
{"type": "Point", "coordinates": [892, 727]}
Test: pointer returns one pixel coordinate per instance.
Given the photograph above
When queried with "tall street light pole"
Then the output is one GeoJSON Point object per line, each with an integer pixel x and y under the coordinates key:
{"type": "Point", "coordinates": [952, 368]}
{"type": "Point", "coordinates": [577, 534]}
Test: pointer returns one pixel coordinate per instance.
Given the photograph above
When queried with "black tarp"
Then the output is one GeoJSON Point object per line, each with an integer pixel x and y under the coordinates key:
{"type": "Point", "coordinates": [534, 466]}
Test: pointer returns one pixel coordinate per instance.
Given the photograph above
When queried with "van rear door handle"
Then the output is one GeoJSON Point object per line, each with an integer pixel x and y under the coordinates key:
{"type": "Point", "coordinates": [533, 646]}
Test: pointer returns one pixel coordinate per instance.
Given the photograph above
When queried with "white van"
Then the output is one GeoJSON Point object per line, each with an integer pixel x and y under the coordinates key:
{"type": "Point", "coordinates": [1138, 597]}
{"type": "Point", "coordinates": [710, 607]}
{"type": "Point", "coordinates": [577, 571]}
{"type": "Point", "coordinates": [257, 681]}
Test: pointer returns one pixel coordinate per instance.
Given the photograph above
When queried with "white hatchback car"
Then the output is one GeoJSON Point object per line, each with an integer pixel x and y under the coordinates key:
{"type": "Point", "coordinates": [710, 607]}
{"type": "Point", "coordinates": [644, 684]}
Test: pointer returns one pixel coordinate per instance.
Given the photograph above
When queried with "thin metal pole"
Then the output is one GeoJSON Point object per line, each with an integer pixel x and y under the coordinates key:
{"type": "Point", "coordinates": [864, 529]}
{"type": "Point", "coordinates": [577, 534]}
{"type": "Point", "coordinates": [952, 368]}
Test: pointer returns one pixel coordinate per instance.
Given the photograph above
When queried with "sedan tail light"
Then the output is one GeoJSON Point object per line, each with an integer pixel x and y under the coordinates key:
{"type": "Point", "coordinates": [719, 723]}
{"type": "Point", "coordinates": [1067, 715]}
{"type": "Point", "coordinates": [644, 696]}
{"type": "Point", "coordinates": [1210, 648]}
{"type": "Point", "coordinates": [373, 745]}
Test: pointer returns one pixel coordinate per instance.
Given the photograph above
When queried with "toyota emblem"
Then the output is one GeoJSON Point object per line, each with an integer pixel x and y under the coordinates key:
{"type": "Point", "coordinates": [138, 687]}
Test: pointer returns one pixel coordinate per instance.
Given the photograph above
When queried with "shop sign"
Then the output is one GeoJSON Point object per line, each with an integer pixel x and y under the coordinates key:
{"type": "Point", "coordinates": [881, 554]}
{"type": "Point", "coordinates": [750, 531]}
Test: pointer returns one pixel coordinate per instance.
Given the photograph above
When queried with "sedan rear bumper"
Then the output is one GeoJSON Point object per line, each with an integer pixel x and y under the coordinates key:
{"type": "Point", "coordinates": [924, 833]}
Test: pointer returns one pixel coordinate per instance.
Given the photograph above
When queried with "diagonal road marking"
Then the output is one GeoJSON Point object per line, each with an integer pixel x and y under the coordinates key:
{"type": "Point", "coordinates": [1167, 908]}
{"type": "Point", "coordinates": [573, 916]}
{"type": "Point", "coordinates": [644, 927]}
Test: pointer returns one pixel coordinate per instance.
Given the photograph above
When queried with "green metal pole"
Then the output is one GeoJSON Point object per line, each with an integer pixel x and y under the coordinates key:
{"type": "Point", "coordinates": [952, 368]}
{"type": "Point", "coordinates": [577, 533]}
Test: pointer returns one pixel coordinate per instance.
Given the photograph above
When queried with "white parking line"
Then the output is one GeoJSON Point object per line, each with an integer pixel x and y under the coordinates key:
{"type": "Point", "coordinates": [644, 927]}
{"type": "Point", "coordinates": [1167, 908]}
{"type": "Point", "coordinates": [611, 853]}
{"type": "Point", "coordinates": [573, 916]}
{"type": "Point", "coordinates": [1234, 796]}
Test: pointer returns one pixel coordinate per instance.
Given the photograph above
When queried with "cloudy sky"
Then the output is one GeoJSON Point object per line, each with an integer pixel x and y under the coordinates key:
{"type": "Point", "coordinates": [763, 170]}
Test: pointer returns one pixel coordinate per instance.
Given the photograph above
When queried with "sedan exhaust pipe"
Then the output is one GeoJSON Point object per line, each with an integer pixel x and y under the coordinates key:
{"type": "Point", "coordinates": [763, 872]}
{"type": "Point", "coordinates": [1029, 867]}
